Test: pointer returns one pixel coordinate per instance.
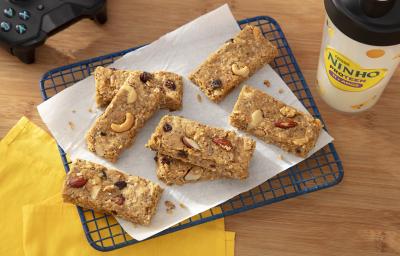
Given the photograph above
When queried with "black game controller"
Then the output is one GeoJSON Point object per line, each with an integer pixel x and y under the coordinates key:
{"type": "Point", "coordinates": [25, 24]}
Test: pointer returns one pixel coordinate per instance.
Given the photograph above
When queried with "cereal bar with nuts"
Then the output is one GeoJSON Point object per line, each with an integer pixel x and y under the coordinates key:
{"type": "Point", "coordinates": [204, 146]}
{"type": "Point", "coordinates": [275, 122]}
{"type": "Point", "coordinates": [115, 130]}
{"type": "Point", "coordinates": [96, 187]}
{"type": "Point", "coordinates": [173, 171]}
{"type": "Point", "coordinates": [233, 63]}
{"type": "Point", "coordinates": [109, 80]}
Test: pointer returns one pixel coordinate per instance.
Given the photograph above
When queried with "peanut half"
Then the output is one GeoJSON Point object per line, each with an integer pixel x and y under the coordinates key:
{"type": "Point", "coordinates": [256, 118]}
{"type": "Point", "coordinates": [125, 126]}
{"type": "Point", "coordinates": [243, 71]}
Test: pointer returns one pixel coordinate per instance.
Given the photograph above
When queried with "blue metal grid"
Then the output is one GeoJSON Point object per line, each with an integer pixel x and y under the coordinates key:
{"type": "Point", "coordinates": [323, 169]}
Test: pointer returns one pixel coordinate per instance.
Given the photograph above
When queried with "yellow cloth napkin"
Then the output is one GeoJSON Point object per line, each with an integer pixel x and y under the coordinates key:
{"type": "Point", "coordinates": [35, 221]}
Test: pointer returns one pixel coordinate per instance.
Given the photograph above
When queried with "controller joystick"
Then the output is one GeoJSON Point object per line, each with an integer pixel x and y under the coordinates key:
{"type": "Point", "coordinates": [26, 24]}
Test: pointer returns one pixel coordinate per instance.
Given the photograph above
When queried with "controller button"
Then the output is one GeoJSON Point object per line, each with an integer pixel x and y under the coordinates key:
{"type": "Point", "coordinates": [9, 12]}
{"type": "Point", "coordinates": [40, 7]}
{"type": "Point", "coordinates": [5, 26]}
{"type": "Point", "coordinates": [24, 15]}
{"type": "Point", "coordinates": [21, 28]}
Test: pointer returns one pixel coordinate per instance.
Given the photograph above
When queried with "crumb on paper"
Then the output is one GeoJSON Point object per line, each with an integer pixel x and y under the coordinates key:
{"type": "Point", "coordinates": [90, 110]}
{"type": "Point", "coordinates": [71, 125]}
{"type": "Point", "coordinates": [199, 99]}
{"type": "Point", "coordinates": [182, 206]}
{"type": "Point", "coordinates": [74, 111]}
{"type": "Point", "coordinates": [280, 90]}
{"type": "Point", "coordinates": [170, 206]}
{"type": "Point", "coordinates": [280, 157]}
{"type": "Point", "coordinates": [267, 83]}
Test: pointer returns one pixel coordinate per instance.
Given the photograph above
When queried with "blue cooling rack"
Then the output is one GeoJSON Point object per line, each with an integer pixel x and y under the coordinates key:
{"type": "Point", "coordinates": [321, 170]}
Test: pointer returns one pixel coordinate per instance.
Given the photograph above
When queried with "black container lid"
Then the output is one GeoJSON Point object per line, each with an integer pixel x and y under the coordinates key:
{"type": "Point", "coordinates": [373, 22]}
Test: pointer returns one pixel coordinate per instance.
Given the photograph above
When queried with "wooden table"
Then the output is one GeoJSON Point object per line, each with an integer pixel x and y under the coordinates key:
{"type": "Point", "coordinates": [361, 216]}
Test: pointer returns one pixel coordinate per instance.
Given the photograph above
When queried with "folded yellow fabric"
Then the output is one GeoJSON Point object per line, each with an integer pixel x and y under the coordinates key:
{"type": "Point", "coordinates": [50, 219]}
{"type": "Point", "coordinates": [37, 222]}
{"type": "Point", "coordinates": [30, 171]}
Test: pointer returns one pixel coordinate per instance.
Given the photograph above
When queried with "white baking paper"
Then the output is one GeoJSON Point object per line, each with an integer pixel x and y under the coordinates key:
{"type": "Point", "coordinates": [179, 51]}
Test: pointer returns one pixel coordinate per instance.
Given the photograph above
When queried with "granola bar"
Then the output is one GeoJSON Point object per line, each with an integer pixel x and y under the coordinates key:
{"type": "Point", "coordinates": [233, 63]}
{"type": "Point", "coordinates": [93, 186]}
{"type": "Point", "coordinates": [174, 171]}
{"type": "Point", "coordinates": [116, 128]}
{"type": "Point", "coordinates": [109, 80]}
{"type": "Point", "coordinates": [275, 122]}
{"type": "Point", "coordinates": [204, 146]}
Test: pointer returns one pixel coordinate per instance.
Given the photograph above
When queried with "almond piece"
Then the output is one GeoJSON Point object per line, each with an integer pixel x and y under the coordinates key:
{"type": "Point", "coordinates": [194, 174]}
{"type": "Point", "coordinates": [95, 191]}
{"type": "Point", "coordinates": [77, 182]}
{"type": "Point", "coordinates": [285, 124]}
{"type": "Point", "coordinates": [223, 143]}
{"type": "Point", "coordinates": [190, 143]}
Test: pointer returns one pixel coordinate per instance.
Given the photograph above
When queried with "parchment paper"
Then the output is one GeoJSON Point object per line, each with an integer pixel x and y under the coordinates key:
{"type": "Point", "coordinates": [179, 51]}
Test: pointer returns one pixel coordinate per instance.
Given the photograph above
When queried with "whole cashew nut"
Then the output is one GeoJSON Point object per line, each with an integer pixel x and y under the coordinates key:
{"type": "Point", "coordinates": [126, 125]}
{"type": "Point", "coordinates": [244, 71]}
{"type": "Point", "coordinates": [132, 95]}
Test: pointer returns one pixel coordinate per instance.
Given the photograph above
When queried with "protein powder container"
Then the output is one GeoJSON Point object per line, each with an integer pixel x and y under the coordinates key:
{"type": "Point", "coordinates": [360, 52]}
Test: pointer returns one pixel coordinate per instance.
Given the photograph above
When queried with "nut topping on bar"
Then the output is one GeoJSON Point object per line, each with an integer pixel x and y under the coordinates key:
{"type": "Point", "coordinates": [77, 182]}
{"type": "Point", "coordinates": [194, 173]}
{"type": "Point", "coordinates": [240, 71]}
{"type": "Point", "coordinates": [132, 95]}
{"type": "Point", "coordinates": [285, 124]}
{"type": "Point", "coordinates": [223, 143]}
{"type": "Point", "coordinates": [125, 126]}
{"type": "Point", "coordinates": [190, 143]}
{"type": "Point", "coordinates": [256, 118]}
{"type": "Point", "coordinates": [288, 111]}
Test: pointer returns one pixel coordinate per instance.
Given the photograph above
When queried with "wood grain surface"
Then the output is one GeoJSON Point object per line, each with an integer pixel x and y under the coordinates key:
{"type": "Point", "coordinates": [361, 216]}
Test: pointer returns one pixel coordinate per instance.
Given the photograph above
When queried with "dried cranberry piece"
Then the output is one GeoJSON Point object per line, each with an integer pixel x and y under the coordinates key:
{"type": "Point", "coordinates": [145, 76]}
{"type": "Point", "coordinates": [120, 184]}
{"type": "Point", "coordinates": [165, 160]}
{"type": "Point", "coordinates": [182, 154]}
{"type": "Point", "coordinates": [118, 200]}
{"type": "Point", "coordinates": [170, 84]}
{"type": "Point", "coordinates": [216, 84]}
